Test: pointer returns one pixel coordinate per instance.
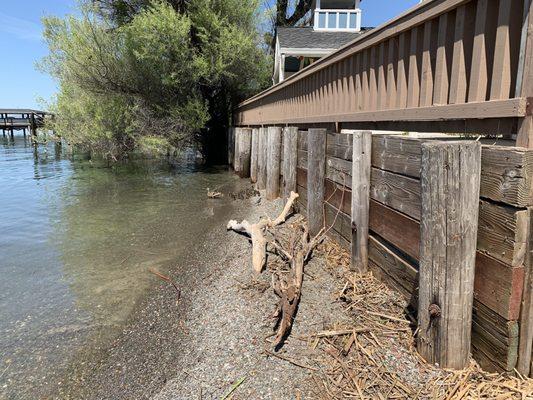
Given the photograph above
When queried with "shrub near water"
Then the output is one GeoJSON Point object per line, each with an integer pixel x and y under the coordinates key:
{"type": "Point", "coordinates": [162, 73]}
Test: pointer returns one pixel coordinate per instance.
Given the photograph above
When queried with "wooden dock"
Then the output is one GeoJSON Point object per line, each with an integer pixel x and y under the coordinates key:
{"type": "Point", "coordinates": [21, 120]}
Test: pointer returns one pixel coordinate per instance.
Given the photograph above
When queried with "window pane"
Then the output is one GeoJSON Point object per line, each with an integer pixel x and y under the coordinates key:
{"type": "Point", "coordinates": [332, 20]}
{"type": "Point", "coordinates": [352, 20]}
{"type": "Point", "coordinates": [343, 20]}
{"type": "Point", "coordinates": [322, 20]}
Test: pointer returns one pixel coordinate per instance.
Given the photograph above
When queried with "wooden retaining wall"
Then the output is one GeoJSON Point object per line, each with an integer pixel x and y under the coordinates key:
{"type": "Point", "coordinates": [504, 232]}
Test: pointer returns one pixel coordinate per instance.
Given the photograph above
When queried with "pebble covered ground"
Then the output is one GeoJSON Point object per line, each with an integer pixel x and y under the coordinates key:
{"type": "Point", "coordinates": [215, 337]}
{"type": "Point", "coordinates": [229, 326]}
{"type": "Point", "coordinates": [215, 342]}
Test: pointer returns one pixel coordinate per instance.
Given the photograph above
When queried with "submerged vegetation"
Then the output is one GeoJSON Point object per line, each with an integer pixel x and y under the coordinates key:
{"type": "Point", "coordinates": [162, 73]}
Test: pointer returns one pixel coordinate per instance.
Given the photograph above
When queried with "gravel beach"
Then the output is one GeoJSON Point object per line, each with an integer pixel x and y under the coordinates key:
{"type": "Point", "coordinates": [216, 336]}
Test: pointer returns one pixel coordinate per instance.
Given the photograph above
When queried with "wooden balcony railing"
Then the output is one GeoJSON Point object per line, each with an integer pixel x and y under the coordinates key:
{"type": "Point", "coordinates": [442, 60]}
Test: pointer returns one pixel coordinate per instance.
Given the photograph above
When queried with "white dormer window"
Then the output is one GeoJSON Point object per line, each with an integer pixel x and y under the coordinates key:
{"type": "Point", "coordinates": [337, 15]}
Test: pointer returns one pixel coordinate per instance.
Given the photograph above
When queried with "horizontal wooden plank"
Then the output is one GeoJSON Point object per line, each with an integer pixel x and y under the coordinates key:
{"type": "Point", "coordinates": [302, 200]}
{"type": "Point", "coordinates": [507, 175]}
{"type": "Point", "coordinates": [338, 196]}
{"type": "Point", "coordinates": [494, 339]}
{"type": "Point", "coordinates": [503, 232]}
{"type": "Point", "coordinates": [511, 108]}
{"type": "Point", "coordinates": [339, 221]}
{"type": "Point", "coordinates": [404, 273]}
{"type": "Point", "coordinates": [396, 191]}
{"type": "Point", "coordinates": [397, 154]}
{"type": "Point", "coordinates": [506, 172]}
{"type": "Point", "coordinates": [339, 171]}
{"type": "Point", "coordinates": [396, 228]}
{"type": "Point", "coordinates": [498, 286]}
{"type": "Point", "coordinates": [339, 145]}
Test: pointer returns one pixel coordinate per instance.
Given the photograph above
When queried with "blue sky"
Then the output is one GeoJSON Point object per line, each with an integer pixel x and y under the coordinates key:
{"type": "Point", "coordinates": [21, 46]}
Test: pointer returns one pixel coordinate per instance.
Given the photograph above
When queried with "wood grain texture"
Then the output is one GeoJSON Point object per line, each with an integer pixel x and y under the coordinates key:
{"type": "Point", "coordinates": [397, 154]}
{"type": "Point", "coordinates": [403, 272]}
{"type": "Point", "coordinates": [397, 228]}
{"type": "Point", "coordinates": [273, 162]}
{"type": "Point", "coordinates": [450, 178]}
{"type": "Point", "coordinates": [494, 339]}
{"type": "Point", "coordinates": [507, 175]}
{"type": "Point", "coordinates": [506, 172]}
{"type": "Point", "coordinates": [255, 155]}
{"type": "Point", "coordinates": [262, 159]}
{"type": "Point", "coordinates": [362, 151]}
{"type": "Point", "coordinates": [503, 233]}
{"type": "Point", "coordinates": [524, 84]}
{"type": "Point", "coordinates": [526, 316]}
{"type": "Point", "coordinates": [236, 151]}
{"type": "Point", "coordinates": [396, 191]}
{"type": "Point", "coordinates": [339, 145]}
{"type": "Point", "coordinates": [339, 171]}
{"type": "Point", "coordinates": [290, 160]}
{"type": "Point", "coordinates": [245, 152]}
{"type": "Point", "coordinates": [316, 171]}
{"type": "Point", "coordinates": [498, 286]}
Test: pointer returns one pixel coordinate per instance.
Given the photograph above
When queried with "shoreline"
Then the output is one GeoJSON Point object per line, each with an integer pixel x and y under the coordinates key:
{"type": "Point", "coordinates": [216, 337]}
{"type": "Point", "coordinates": [132, 356]}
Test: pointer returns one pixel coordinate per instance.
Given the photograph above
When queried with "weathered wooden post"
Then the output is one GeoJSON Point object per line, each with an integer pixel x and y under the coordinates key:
{"type": "Point", "coordinates": [236, 151]}
{"type": "Point", "coordinates": [450, 178]}
{"type": "Point", "coordinates": [262, 159]}
{"type": "Point", "coordinates": [316, 171]}
{"type": "Point", "coordinates": [231, 146]}
{"type": "Point", "coordinates": [273, 162]}
{"type": "Point", "coordinates": [362, 150]}
{"type": "Point", "coordinates": [254, 157]}
{"type": "Point", "coordinates": [244, 154]}
{"type": "Point", "coordinates": [525, 353]}
{"type": "Point", "coordinates": [33, 127]}
{"type": "Point", "coordinates": [290, 160]}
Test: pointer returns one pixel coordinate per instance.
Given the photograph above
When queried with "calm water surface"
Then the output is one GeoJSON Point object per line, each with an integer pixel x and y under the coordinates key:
{"type": "Point", "coordinates": [76, 242]}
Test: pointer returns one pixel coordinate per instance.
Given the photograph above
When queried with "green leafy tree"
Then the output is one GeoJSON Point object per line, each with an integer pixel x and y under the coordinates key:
{"type": "Point", "coordinates": [166, 70]}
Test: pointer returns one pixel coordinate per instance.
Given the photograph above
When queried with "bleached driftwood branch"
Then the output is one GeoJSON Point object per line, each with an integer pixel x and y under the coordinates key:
{"type": "Point", "coordinates": [287, 286]}
{"type": "Point", "coordinates": [257, 233]}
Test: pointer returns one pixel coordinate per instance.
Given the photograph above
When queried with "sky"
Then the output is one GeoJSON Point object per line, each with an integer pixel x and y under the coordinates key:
{"type": "Point", "coordinates": [21, 46]}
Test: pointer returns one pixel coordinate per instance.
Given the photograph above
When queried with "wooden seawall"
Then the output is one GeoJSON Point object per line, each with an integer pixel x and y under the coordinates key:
{"type": "Point", "coordinates": [461, 67]}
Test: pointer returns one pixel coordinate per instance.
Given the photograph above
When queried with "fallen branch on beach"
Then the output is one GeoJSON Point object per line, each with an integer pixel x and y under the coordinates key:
{"type": "Point", "coordinates": [294, 249]}
{"type": "Point", "coordinates": [257, 233]}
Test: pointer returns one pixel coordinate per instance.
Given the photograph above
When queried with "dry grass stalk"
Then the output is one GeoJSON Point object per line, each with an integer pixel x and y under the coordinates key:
{"type": "Point", "coordinates": [375, 358]}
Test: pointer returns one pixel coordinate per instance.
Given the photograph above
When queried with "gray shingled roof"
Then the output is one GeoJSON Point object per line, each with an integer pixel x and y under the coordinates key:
{"type": "Point", "coordinates": [308, 38]}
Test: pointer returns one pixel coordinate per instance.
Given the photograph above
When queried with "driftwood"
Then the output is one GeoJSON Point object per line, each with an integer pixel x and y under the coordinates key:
{"type": "Point", "coordinates": [295, 253]}
{"type": "Point", "coordinates": [257, 233]}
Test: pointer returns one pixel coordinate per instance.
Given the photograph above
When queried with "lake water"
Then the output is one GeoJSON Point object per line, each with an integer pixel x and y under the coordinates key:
{"type": "Point", "coordinates": [77, 240]}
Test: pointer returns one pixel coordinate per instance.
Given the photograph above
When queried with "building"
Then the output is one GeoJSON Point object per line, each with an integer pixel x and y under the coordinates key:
{"type": "Point", "coordinates": [332, 24]}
